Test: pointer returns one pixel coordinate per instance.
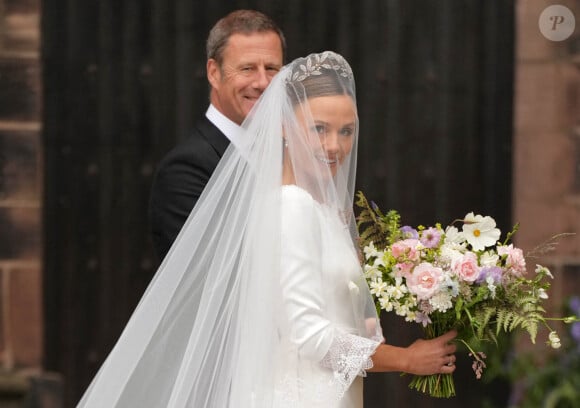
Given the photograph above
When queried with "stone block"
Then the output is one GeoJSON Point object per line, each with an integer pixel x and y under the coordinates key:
{"type": "Point", "coordinates": [13, 390]}
{"type": "Point", "coordinates": [572, 279]}
{"type": "Point", "coordinates": [20, 89]}
{"type": "Point", "coordinates": [544, 96]}
{"type": "Point", "coordinates": [26, 316]}
{"type": "Point", "coordinates": [22, 6]}
{"type": "Point", "coordinates": [21, 233]}
{"type": "Point", "coordinates": [21, 28]}
{"type": "Point", "coordinates": [5, 351]}
{"type": "Point", "coordinates": [544, 166]}
{"type": "Point", "coordinates": [20, 178]}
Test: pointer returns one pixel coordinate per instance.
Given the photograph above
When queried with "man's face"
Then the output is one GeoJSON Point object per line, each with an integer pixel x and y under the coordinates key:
{"type": "Point", "coordinates": [249, 64]}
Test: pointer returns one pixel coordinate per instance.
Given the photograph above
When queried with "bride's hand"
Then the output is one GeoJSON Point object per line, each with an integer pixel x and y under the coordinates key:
{"type": "Point", "coordinates": [433, 356]}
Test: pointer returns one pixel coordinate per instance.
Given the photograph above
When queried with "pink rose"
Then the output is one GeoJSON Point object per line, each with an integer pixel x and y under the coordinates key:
{"type": "Point", "coordinates": [466, 267]}
{"type": "Point", "coordinates": [425, 279]}
{"type": "Point", "coordinates": [403, 269]}
{"type": "Point", "coordinates": [514, 260]}
{"type": "Point", "coordinates": [405, 249]}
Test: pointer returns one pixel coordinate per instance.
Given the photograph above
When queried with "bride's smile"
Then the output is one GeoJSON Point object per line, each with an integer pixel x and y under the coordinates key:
{"type": "Point", "coordinates": [330, 129]}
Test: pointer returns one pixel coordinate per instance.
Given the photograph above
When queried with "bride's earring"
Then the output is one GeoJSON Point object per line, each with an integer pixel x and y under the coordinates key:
{"type": "Point", "coordinates": [285, 143]}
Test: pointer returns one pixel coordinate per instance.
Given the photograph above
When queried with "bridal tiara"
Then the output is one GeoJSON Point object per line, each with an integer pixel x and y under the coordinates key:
{"type": "Point", "coordinates": [314, 63]}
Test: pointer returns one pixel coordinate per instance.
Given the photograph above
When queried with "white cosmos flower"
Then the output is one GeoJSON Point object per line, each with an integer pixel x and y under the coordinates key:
{"type": "Point", "coordinates": [480, 231]}
{"type": "Point", "coordinates": [453, 236]}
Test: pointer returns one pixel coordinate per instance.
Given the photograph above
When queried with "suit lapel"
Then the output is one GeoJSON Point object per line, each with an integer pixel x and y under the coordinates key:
{"type": "Point", "coordinates": [217, 140]}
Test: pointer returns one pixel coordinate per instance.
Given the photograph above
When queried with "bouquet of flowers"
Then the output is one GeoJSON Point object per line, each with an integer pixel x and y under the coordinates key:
{"type": "Point", "coordinates": [452, 278]}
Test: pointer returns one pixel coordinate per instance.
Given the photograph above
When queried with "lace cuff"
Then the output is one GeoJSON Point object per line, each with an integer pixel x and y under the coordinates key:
{"type": "Point", "coordinates": [349, 355]}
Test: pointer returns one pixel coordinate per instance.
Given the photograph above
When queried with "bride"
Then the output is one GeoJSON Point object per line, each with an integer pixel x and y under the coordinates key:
{"type": "Point", "coordinates": [261, 301]}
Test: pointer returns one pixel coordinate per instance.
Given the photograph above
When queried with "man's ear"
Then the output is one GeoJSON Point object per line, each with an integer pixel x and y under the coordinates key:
{"type": "Point", "coordinates": [214, 74]}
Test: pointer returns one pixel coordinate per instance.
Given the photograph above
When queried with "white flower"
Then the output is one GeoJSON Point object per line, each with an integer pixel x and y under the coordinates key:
{"type": "Point", "coordinates": [411, 302]}
{"type": "Point", "coordinates": [450, 253]}
{"type": "Point", "coordinates": [401, 310]}
{"type": "Point", "coordinates": [372, 272]}
{"type": "Point", "coordinates": [378, 287]}
{"type": "Point", "coordinates": [542, 294]}
{"type": "Point", "coordinates": [491, 286]}
{"type": "Point", "coordinates": [379, 260]}
{"type": "Point", "coordinates": [371, 251]}
{"type": "Point", "coordinates": [386, 303]}
{"type": "Point", "coordinates": [451, 284]}
{"type": "Point", "coordinates": [453, 236]}
{"type": "Point", "coordinates": [480, 231]}
{"type": "Point", "coordinates": [398, 290]}
{"type": "Point", "coordinates": [554, 340]}
{"type": "Point", "coordinates": [488, 258]}
{"type": "Point", "coordinates": [441, 301]}
{"type": "Point", "coordinates": [411, 316]}
{"type": "Point", "coordinates": [543, 269]}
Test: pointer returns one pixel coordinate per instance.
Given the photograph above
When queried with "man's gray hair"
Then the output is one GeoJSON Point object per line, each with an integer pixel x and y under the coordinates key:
{"type": "Point", "coordinates": [239, 22]}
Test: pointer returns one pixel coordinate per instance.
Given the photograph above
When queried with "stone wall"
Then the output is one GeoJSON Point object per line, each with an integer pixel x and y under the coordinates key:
{"type": "Point", "coordinates": [20, 199]}
{"type": "Point", "coordinates": [546, 172]}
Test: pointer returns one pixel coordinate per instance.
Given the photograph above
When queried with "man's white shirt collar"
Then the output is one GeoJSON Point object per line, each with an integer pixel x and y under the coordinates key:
{"type": "Point", "coordinates": [229, 128]}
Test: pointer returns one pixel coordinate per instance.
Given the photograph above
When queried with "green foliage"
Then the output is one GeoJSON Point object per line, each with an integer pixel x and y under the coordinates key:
{"type": "Point", "coordinates": [550, 380]}
{"type": "Point", "coordinates": [374, 226]}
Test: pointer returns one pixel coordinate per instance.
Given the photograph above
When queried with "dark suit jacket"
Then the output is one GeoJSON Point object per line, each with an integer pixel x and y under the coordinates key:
{"type": "Point", "coordinates": [180, 178]}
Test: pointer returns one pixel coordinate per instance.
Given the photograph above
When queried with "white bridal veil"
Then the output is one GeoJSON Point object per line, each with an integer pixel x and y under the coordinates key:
{"type": "Point", "coordinates": [213, 328]}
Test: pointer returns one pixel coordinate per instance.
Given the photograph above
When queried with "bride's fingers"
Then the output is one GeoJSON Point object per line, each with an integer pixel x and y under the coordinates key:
{"type": "Point", "coordinates": [448, 364]}
{"type": "Point", "coordinates": [449, 361]}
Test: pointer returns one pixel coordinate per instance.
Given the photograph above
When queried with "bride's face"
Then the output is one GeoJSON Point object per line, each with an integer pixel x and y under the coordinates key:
{"type": "Point", "coordinates": [332, 129]}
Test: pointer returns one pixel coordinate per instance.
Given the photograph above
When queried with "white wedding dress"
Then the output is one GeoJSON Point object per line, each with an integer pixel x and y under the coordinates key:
{"type": "Point", "coordinates": [260, 302]}
{"type": "Point", "coordinates": [323, 356]}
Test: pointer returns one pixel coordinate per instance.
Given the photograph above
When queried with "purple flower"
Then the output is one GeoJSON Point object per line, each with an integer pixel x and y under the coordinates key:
{"type": "Point", "coordinates": [575, 304]}
{"type": "Point", "coordinates": [495, 272]}
{"type": "Point", "coordinates": [430, 237]}
{"type": "Point", "coordinates": [575, 331]}
{"type": "Point", "coordinates": [409, 232]}
{"type": "Point", "coordinates": [423, 319]}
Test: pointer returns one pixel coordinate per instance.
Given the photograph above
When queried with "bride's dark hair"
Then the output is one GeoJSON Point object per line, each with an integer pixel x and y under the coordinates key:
{"type": "Point", "coordinates": [311, 79]}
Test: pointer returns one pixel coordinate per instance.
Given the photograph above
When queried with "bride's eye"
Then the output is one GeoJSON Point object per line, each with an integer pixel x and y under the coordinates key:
{"type": "Point", "coordinates": [320, 129]}
{"type": "Point", "coordinates": [347, 131]}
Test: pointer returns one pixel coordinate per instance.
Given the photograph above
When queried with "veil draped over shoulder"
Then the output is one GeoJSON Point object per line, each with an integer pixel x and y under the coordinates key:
{"type": "Point", "coordinates": [239, 314]}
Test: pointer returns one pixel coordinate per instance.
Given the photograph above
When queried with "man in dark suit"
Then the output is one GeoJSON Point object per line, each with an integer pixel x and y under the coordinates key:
{"type": "Point", "coordinates": [245, 49]}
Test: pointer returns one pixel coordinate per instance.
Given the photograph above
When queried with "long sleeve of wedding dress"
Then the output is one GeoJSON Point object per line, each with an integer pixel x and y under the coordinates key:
{"type": "Point", "coordinates": [319, 268]}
